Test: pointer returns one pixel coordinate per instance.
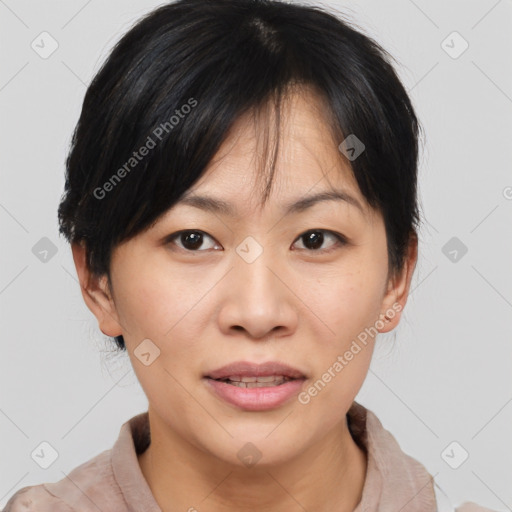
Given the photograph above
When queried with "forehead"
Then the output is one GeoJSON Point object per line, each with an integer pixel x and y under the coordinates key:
{"type": "Point", "coordinates": [307, 160]}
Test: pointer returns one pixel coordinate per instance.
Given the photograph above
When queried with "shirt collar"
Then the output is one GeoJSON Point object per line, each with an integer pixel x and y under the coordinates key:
{"type": "Point", "coordinates": [134, 437]}
{"type": "Point", "coordinates": [394, 480]}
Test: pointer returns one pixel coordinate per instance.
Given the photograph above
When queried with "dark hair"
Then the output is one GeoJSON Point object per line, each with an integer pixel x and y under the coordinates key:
{"type": "Point", "coordinates": [177, 81]}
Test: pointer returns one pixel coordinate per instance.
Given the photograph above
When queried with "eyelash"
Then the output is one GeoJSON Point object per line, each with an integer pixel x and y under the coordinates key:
{"type": "Point", "coordinates": [340, 239]}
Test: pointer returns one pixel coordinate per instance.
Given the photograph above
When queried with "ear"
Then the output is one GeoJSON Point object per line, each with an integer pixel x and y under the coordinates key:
{"type": "Point", "coordinates": [96, 293]}
{"type": "Point", "coordinates": [398, 289]}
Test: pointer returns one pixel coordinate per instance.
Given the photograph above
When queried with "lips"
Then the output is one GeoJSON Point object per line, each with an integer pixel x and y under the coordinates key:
{"type": "Point", "coordinates": [246, 371]}
{"type": "Point", "coordinates": [255, 387]}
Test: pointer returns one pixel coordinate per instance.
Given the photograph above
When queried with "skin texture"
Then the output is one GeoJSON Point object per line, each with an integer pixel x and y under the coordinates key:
{"type": "Point", "coordinates": [207, 307]}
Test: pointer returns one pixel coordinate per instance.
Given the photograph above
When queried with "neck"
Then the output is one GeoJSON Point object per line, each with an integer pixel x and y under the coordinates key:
{"type": "Point", "coordinates": [328, 476]}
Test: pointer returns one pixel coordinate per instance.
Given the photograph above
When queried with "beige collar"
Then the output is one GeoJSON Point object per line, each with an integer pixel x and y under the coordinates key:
{"type": "Point", "coordinates": [394, 481]}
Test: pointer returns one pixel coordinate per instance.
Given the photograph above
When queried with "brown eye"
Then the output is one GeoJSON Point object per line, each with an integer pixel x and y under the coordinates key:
{"type": "Point", "coordinates": [190, 240]}
{"type": "Point", "coordinates": [314, 239]}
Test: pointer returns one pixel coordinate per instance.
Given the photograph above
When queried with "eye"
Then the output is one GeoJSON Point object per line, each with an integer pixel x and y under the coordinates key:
{"type": "Point", "coordinates": [190, 240]}
{"type": "Point", "coordinates": [314, 238]}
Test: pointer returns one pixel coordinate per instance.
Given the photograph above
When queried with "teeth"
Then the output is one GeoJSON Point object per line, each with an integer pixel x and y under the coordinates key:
{"type": "Point", "coordinates": [268, 379]}
{"type": "Point", "coordinates": [256, 384]}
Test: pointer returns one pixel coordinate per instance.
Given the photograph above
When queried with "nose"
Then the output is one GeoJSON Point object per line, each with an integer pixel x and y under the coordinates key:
{"type": "Point", "coordinates": [259, 301]}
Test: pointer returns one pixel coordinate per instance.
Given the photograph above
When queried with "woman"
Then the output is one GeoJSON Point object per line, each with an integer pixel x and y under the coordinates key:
{"type": "Point", "coordinates": [241, 204]}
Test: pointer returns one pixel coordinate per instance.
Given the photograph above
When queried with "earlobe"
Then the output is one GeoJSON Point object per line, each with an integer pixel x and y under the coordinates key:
{"type": "Point", "coordinates": [390, 318]}
{"type": "Point", "coordinates": [96, 293]}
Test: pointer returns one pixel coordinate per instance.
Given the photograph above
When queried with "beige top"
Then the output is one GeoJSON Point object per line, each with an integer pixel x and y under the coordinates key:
{"type": "Point", "coordinates": [112, 481]}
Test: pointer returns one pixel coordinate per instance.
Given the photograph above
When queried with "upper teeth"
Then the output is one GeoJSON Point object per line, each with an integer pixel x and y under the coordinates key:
{"type": "Point", "coordinates": [269, 378]}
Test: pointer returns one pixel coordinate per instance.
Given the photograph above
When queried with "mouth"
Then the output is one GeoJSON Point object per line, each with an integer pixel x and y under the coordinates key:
{"type": "Point", "coordinates": [255, 387]}
{"type": "Point", "coordinates": [256, 382]}
{"type": "Point", "coordinates": [248, 372]}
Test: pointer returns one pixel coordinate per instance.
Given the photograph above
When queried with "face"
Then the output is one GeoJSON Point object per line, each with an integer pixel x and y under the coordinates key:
{"type": "Point", "coordinates": [256, 284]}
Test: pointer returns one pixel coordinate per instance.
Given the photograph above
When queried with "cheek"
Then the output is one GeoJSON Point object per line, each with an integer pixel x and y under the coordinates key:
{"type": "Point", "coordinates": [342, 359]}
{"type": "Point", "coordinates": [145, 308]}
{"type": "Point", "coordinates": [152, 301]}
{"type": "Point", "coordinates": [154, 304]}
{"type": "Point", "coordinates": [348, 299]}
{"type": "Point", "coordinates": [364, 286]}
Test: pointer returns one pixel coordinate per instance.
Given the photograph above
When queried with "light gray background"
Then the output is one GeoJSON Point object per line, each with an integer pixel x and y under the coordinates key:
{"type": "Point", "coordinates": [446, 377]}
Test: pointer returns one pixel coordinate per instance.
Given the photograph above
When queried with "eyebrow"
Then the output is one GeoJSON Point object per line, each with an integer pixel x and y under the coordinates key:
{"type": "Point", "coordinates": [215, 205]}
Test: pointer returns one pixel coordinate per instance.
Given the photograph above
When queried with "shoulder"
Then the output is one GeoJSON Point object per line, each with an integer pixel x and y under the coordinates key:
{"type": "Point", "coordinates": [472, 507]}
{"type": "Point", "coordinates": [87, 487]}
{"type": "Point", "coordinates": [35, 498]}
